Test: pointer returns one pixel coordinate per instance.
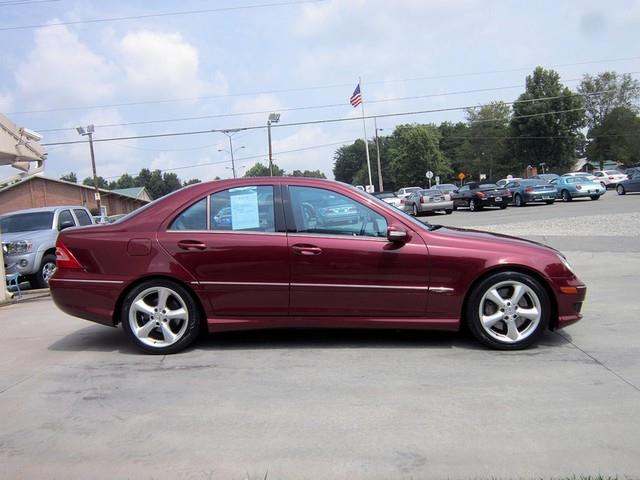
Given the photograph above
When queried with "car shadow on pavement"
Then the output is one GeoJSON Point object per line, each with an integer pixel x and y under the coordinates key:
{"type": "Point", "coordinates": [106, 339]}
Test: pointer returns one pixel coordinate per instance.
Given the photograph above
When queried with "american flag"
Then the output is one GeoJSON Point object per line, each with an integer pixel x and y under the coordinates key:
{"type": "Point", "coordinates": [356, 98]}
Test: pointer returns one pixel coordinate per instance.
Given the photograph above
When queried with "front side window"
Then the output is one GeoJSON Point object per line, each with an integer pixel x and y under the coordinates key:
{"type": "Point", "coordinates": [316, 210]}
{"type": "Point", "coordinates": [243, 209]}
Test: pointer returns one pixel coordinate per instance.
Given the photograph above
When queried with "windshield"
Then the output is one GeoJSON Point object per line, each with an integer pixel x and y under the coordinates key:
{"type": "Point", "coordinates": [26, 222]}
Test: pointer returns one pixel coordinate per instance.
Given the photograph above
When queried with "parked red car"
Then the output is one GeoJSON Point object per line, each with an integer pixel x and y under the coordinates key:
{"type": "Point", "coordinates": [292, 252]}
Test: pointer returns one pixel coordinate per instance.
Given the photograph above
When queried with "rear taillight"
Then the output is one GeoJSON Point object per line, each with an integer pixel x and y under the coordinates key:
{"type": "Point", "coordinates": [402, 201]}
{"type": "Point", "coordinates": [64, 258]}
{"type": "Point", "coordinates": [578, 187]}
{"type": "Point", "coordinates": [480, 194]}
{"type": "Point", "coordinates": [611, 178]}
{"type": "Point", "coordinates": [423, 200]}
{"type": "Point", "coordinates": [528, 190]}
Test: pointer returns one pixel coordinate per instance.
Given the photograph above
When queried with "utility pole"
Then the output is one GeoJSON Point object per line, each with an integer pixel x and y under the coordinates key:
{"type": "Point", "coordinates": [273, 118]}
{"type": "Point", "coordinates": [88, 131]}
{"type": "Point", "coordinates": [375, 123]}
{"type": "Point", "coordinates": [229, 134]}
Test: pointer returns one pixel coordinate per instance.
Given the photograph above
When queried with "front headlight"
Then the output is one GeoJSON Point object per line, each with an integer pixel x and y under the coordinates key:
{"type": "Point", "coordinates": [565, 262]}
{"type": "Point", "coordinates": [18, 247]}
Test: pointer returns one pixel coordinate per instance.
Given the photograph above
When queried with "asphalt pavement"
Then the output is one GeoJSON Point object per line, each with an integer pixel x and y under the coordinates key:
{"type": "Point", "coordinates": [77, 401]}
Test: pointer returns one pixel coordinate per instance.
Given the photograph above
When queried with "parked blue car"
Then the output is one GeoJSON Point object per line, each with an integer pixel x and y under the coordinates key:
{"type": "Point", "coordinates": [571, 186]}
{"type": "Point", "coordinates": [531, 190]}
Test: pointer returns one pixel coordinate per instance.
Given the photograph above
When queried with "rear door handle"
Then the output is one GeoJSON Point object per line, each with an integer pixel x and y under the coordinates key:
{"type": "Point", "coordinates": [304, 249]}
{"type": "Point", "coordinates": [191, 245]}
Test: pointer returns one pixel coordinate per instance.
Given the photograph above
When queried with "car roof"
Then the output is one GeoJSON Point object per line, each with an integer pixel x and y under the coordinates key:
{"type": "Point", "coordinates": [43, 209]}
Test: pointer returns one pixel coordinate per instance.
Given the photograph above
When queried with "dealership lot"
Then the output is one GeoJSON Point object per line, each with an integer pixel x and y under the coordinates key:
{"type": "Point", "coordinates": [79, 401]}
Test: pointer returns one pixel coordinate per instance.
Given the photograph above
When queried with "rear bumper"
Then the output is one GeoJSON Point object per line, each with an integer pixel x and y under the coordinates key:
{"type": "Point", "coordinates": [539, 197]}
{"type": "Point", "coordinates": [435, 206]}
{"type": "Point", "coordinates": [91, 300]}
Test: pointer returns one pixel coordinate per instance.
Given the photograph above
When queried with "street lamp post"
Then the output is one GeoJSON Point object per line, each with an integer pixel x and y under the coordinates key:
{"type": "Point", "coordinates": [230, 152]}
{"type": "Point", "coordinates": [375, 123]}
{"type": "Point", "coordinates": [88, 131]}
{"type": "Point", "coordinates": [229, 134]}
{"type": "Point", "coordinates": [273, 118]}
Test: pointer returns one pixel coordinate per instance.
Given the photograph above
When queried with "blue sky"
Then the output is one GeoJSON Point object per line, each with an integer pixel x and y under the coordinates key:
{"type": "Point", "coordinates": [243, 60]}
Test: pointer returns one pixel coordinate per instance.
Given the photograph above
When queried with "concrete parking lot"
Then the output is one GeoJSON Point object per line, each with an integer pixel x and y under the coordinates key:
{"type": "Point", "coordinates": [78, 401]}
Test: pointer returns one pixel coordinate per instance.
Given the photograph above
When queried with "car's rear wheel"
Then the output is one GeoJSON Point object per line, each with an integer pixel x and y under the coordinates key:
{"type": "Point", "coordinates": [448, 211]}
{"type": "Point", "coordinates": [46, 270]}
{"type": "Point", "coordinates": [549, 202]}
{"type": "Point", "coordinates": [620, 190]}
{"type": "Point", "coordinates": [160, 317]}
{"type": "Point", "coordinates": [503, 206]}
{"type": "Point", "coordinates": [473, 206]}
{"type": "Point", "coordinates": [595, 197]}
{"type": "Point", "coordinates": [566, 196]}
{"type": "Point", "coordinates": [508, 311]}
{"type": "Point", "coordinates": [416, 212]}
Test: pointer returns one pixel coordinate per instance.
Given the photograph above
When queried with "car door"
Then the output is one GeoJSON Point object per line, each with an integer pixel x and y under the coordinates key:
{"type": "Point", "coordinates": [233, 242]}
{"type": "Point", "coordinates": [342, 263]}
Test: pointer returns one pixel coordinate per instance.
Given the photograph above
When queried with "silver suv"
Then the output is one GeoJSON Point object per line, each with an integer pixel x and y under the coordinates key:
{"type": "Point", "coordinates": [29, 239]}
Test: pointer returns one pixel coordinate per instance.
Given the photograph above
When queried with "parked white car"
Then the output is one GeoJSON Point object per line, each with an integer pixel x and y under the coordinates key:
{"type": "Point", "coordinates": [390, 198]}
{"type": "Point", "coordinates": [502, 182]}
{"type": "Point", "coordinates": [406, 191]}
{"type": "Point", "coordinates": [609, 178]}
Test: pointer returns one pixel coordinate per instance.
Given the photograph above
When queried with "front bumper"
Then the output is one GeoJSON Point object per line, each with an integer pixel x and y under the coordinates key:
{"type": "Point", "coordinates": [570, 304]}
{"type": "Point", "coordinates": [24, 264]}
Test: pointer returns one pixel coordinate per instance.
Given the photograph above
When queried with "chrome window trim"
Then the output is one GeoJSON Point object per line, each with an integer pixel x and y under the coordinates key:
{"type": "Point", "coordinates": [330, 235]}
{"type": "Point", "coordinates": [218, 232]}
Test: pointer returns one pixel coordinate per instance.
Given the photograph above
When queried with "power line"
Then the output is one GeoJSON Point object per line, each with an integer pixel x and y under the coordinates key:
{"type": "Point", "coordinates": [311, 107]}
{"type": "Point", "coordinates": [347, 119]}
{"type": "Point", "coordinates": [300, 89]}
{"type": "Point", "coordinates": [158, 15]}
{"type": "Point", "coordinates": [15, 3]}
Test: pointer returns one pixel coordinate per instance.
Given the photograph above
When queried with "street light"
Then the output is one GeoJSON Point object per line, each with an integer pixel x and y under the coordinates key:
{"type": "Point", "coordinates": [89, 131]}
{"type": "Point", "coordinates": [273, 118]}
{"type": "Point", "coordinates": [375, 123]}
{"type": "Point", "coordinates": [230, 152]}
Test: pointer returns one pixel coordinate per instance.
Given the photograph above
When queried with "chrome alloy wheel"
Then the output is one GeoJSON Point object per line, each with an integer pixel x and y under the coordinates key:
{"type": "Point", "coordinates": [158, 317]}
{"type": "Point", "coordinates": [48, 269]}
{"type": "Point", "coordinates": [510, 311]}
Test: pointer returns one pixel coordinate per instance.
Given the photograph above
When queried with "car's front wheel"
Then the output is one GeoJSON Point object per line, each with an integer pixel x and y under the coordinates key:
{"type": "Point", "coordinates": [566, 196]}
{"type": "Point", "coordinates": [620, 190]}
{"type": "Point", "coordinates": [45, 272]}
{"type": "Point", "coordinates": [508, 311]}
{"type": "Point", "coordinates": [595, 197]}
{"type": "Point", "coordinates": [160, 317]}
{"type": "Point", "coordinates": [518, 201]}
{"type": "Point", "coordinates": [473, 205]}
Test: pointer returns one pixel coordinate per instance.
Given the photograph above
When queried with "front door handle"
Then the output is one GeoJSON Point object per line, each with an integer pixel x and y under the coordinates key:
{"type": "Point", "coordinates": [305, 249]}
{"type": "Point", "coordinates": [191, 245]}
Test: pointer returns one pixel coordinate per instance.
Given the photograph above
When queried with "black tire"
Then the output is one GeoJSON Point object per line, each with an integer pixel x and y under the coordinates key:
{"type": "Point", "coordinates": [46, 269]}
{"type": "Point", "coordinates": [416, 212]}
{"type": "Point", "coordinates": [531, 330]}
{"type": "Point", "coordinates": [455, 207]}
{"type": "Point", "coordinates": [178, 297]}
{"type": "Point", "coordinates": [566, 196]}
{"type": "Point", "coordinates": [448, 211]}
{"type": "Point", "coordinates": [518, 200]}
{"type": "Point", "coordinates": [503, 206]}
{"type": "Point", "coordinates": [473, 206]}
{"type": "Point", "coordinates": [549, 202]}
{"type": "Point", "coordinates": [595, 197]}
{"type": "Point", "coordinates": [620, 190]}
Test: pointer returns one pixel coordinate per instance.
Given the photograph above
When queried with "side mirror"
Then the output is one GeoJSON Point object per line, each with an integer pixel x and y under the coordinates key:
{"type": "Point", "coordinates": [396, 234]}
{"type": "Point", "coordinates": [66, 224]}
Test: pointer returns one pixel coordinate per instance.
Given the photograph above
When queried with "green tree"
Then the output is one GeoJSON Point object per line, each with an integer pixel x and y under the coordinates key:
{"type": "Point", "coordinates": [348, 160]}
{"type": "Point", "coordinates": [125, 181]}
{"type": "Point", "coordinates": [413, 150]}
{"type": "Point", "coordinates": [452, 140]}
{"type": "Point", "coordinates": [70, 177]}
{"type": "Point", "coordinates": [485, 149]}
{"type": "Point", "coordinates": [606, 91]}
{"type": "Point", "coordinates": [192, 181]}
{"type": "Point", "coordinates": [617, 137]}
{"type": "Point", "coordinates": [308, 173]}
{"type": "Point", "coordinates": [546, 120]}
{"type": "Point", "coordinates": [260, 170]}
{"type": "Point", "coordinates": [102, 183]}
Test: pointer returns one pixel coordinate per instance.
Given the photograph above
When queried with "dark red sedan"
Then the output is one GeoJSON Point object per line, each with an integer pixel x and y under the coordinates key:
{"type": "Point", "coordinates": [297, 252]}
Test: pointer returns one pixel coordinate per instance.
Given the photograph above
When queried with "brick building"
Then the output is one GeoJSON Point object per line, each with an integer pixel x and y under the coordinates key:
{"type": "Point", "coordinates": [40, 191]}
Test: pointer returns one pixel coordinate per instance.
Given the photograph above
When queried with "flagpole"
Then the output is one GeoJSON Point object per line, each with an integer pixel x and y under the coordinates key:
{"type": "Point", "coordinates": [364, 128]}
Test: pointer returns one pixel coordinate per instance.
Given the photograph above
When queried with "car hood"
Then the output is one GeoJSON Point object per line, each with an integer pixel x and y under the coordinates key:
{"type": "Point", "coordinates": [36, 236]}
{"type": "Point", "coordinates": [490, 240]}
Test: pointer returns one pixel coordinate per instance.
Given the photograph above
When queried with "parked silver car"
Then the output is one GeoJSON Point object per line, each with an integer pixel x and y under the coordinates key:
{"type": "Point", "coordinates": [424, 201]}
{"type": "Point", "coordinates": [29, 239]}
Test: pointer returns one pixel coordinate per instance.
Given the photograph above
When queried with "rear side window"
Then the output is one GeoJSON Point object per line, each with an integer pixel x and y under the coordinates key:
{"type": "Point", "coordinates": [65, 217]}
{"type": "Point", "coordinates": [82, 216]}
{"type": "Point", "coordinates": [243, 209]}
{"type": "Point", "coordinates": [193, 218]}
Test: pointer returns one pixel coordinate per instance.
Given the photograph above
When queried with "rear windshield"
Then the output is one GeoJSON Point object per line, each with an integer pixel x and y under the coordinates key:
{"type": "Point", "coordinates": [488, 185]}
{"type": "Point", "coordinates": [385, 195]}
{"type": "Point", "coordinates": [26, 222]}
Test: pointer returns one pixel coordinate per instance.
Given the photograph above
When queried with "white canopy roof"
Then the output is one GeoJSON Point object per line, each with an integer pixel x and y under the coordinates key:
{"type": "Point", "coordinates": [19, 147]}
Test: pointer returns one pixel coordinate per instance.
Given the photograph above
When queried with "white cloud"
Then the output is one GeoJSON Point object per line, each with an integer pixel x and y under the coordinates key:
{"type": "Point", "coordinates": [62, 71]}
{"type": "Point", "coordinates": [312, 159]}
{"type": "Point", "coordinates": [6, 102]}
{"type": "Point", "coordinates": [164, 65]}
